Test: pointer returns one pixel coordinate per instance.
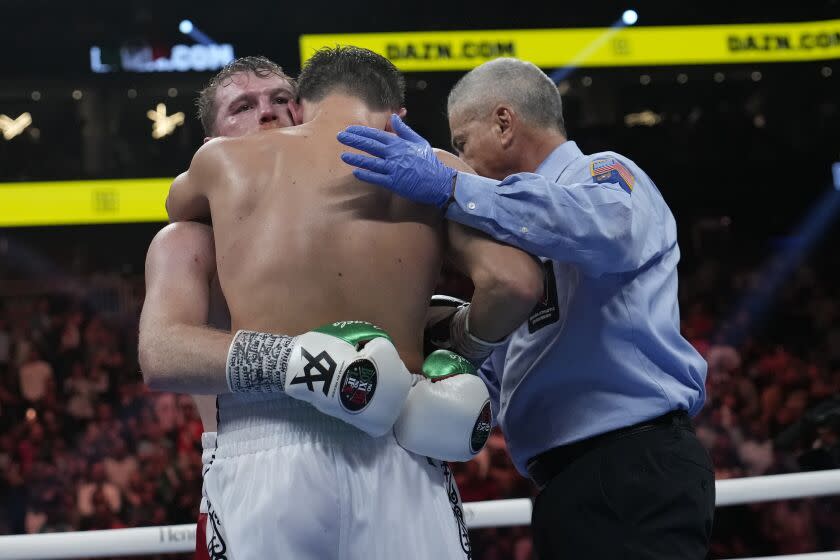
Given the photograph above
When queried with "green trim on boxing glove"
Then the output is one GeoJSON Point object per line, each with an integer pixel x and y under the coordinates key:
{"type": "Point", "coordinates": [442, 364]}
{"type": "Point", "coordinates": [354, 332]}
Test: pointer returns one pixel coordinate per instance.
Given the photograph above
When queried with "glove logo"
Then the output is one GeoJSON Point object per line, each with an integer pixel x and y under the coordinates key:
{"type": "Point", "coordinates": [358, 384]}
{"type": "Point", "coordinates": [325, 365]}
{"type": "Point", "coordinates": [481, 430]}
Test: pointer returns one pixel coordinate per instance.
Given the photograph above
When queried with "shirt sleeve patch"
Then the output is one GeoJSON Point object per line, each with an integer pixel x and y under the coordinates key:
{"type": "Point", "coordinates": [610, 170]}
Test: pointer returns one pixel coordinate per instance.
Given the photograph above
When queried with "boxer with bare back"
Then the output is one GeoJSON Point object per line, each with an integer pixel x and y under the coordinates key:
{"type": "Point", "coordinates": [183, 295]}
{"type": "Point", "coordinates": [319, 440]}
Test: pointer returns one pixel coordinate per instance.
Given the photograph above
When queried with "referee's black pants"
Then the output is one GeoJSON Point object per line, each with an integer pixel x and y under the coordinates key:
{"type": "Point", "coordinates": [647, 493]}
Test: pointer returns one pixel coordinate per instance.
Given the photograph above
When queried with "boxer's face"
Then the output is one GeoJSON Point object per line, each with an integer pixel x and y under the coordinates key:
{"type": "Point", "coordinates": [476, 140]}
{"type": "Point", "coordinates": [248, 103]}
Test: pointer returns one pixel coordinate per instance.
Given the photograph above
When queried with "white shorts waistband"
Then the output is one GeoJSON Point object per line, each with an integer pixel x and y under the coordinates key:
{"type": "Point", "coordinates": [259, 421]}
{"type": "Point", "coordinates": [208, 448]}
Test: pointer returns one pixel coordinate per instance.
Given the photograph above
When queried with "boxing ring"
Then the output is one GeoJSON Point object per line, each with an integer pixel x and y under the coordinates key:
{"type": "Point", "coordinates": [494, 513]}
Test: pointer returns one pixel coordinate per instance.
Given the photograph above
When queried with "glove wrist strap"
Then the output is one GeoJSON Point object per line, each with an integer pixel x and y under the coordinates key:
{"type": "Point", "coordinates": [257, 362]}
{"type": "Point", "coordinates": [465, 343]}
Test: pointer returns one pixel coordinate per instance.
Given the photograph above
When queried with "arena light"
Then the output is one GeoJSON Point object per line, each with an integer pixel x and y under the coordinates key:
{"type": "Point", "coordinates": [12, 127]}
{"type": "Point", "coordinates": [645, 118]}
{"type": "Point", "coordinates": [835, 173]}
{"type": "Point", "coordinates": [629, 17]}
{"type": "Point", "coordinates": [190, 30]}
{"type": "Point", "coordinates": [163, 124]}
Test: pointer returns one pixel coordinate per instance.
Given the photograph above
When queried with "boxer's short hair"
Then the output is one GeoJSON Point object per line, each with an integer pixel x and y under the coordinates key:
{"type": "Point", "coordinates": [260, 66]}
{"type": "Point", "coordinates": [354, 71]}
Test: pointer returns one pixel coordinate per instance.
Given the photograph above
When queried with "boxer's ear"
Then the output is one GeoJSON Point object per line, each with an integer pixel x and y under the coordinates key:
{"type": "Point", "coordinates": [207, 139]}
{"type": "Point", "coordinates": [401, 114]}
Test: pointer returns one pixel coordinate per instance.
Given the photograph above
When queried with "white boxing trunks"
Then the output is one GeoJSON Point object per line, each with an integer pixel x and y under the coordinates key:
{"type": "Point", "coordinates": [288, 482]}
{"type": "Point", "coordinates": [202, 544]}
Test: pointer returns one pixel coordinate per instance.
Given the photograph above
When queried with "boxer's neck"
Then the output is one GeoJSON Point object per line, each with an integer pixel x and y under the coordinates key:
{"type": "Point", "coordinates": [345, 110]}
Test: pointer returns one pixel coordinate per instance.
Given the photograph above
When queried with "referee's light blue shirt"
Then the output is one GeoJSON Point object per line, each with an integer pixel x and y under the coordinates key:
{"type": "Point", "coordinates": [604, 349]}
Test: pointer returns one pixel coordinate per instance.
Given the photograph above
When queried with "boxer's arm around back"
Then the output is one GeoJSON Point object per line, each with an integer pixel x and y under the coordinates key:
{"type": "Point", "coordinates": [508, 281]}
{"type": "Point", "coordinates": [188, 195]}
{"type": "Point", "coordinates": [178, 352]}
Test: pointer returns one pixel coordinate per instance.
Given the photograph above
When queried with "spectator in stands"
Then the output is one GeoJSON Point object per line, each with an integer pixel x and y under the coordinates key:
{"type": "Point", "coordinates": [34, 373]}
{"type": "Point", "coordinates": [95, 487]}
{"type": "Point", "coordinates": [80, 392]}
{"type": "Point", "coordinates": [119, 465]}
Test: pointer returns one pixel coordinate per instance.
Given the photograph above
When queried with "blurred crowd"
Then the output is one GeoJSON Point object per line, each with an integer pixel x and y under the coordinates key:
{"type": "Point", "coordinates": [85, 445]}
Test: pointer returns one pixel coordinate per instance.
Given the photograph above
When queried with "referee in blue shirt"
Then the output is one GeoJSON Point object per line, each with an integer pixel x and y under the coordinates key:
{"type": "Point", "coordinates": [595, 392]}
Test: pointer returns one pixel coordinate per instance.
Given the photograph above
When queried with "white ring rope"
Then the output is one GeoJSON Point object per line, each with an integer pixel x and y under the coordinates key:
{"type": "Point", "coordinates": [493, 513]}
{"type": "Point", "coordinates": [754, 489]}
{"type": "Point", "coordinates": [810, 556]}
{"type": "Point", "coordinates": [97, 544]}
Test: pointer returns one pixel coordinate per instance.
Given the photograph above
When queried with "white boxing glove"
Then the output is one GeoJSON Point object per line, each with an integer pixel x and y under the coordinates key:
{"type": "Point", "coordinates": [349, 370]}
{"type": "Point", "coordinates": [447, 413]}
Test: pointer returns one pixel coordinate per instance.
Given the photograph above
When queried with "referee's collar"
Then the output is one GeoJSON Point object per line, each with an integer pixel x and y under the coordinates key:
{"type": "Point", "coordinates": [558, 160]}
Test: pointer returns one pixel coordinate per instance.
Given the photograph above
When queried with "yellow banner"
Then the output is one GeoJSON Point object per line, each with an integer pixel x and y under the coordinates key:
{"type": "Point", "coordinates": [625, 46]}
{"type": "Point", "coordinates": [83, 202]}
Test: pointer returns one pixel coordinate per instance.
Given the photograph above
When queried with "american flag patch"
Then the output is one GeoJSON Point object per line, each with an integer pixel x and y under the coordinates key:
{"type": "Point", "coordinates": [611, 170]}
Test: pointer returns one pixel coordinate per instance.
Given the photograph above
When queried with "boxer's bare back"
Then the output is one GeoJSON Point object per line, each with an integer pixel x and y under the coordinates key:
{"type": "Point", "coordinates": [300, 242]}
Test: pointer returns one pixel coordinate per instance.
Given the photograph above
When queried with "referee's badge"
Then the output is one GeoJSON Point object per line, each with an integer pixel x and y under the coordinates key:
{"type": "Point", "coordinates": [557, 296]}
{"type": "Point", "coordinates": [545, 312]}
{"type": "Point", "coordinates": [610, 170]}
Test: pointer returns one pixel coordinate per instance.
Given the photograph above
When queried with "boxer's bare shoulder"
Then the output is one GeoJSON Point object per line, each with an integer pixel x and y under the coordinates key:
{"type": "Point", "coordinates": [190, 243]}
{"type": "Point", "coordinates": [180, 234]}
{"type": "Point", "coordinates": [451, 160]}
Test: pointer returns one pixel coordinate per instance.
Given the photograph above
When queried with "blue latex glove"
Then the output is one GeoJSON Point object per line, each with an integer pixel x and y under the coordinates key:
{"type": "Point", "coordinates": [405, 163]}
